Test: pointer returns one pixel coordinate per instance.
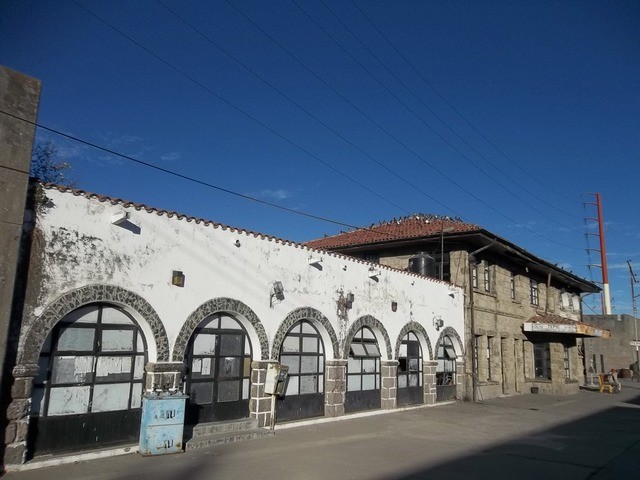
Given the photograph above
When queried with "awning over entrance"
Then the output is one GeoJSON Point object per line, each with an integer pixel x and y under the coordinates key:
{"type": "Point", "coordinates": [558, 324]}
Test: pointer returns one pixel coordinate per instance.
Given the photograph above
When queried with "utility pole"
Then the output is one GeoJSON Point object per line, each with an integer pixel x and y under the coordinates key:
{"type": "Point", "coordinates": [633, 280]}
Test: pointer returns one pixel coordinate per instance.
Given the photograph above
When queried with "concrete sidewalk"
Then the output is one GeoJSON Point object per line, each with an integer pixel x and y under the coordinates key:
{"type": "Point", "coordinates": [588, 435]}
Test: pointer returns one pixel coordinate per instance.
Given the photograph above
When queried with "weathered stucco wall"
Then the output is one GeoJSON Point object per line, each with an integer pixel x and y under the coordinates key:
{"type": "Point", "coordinates": [80, 246]}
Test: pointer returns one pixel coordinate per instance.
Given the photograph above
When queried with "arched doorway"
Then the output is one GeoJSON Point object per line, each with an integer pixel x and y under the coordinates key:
{"type": "Point", "coordinates": [363, 372]}
{"type": "Point", "coordinates": [410, 383]}
{"type": "Point", "coordinates": [446, 370]}
{"type": "Point", "coordinates": [218, 371]}
{"type": "Point", "coordinates": [89, 388]}
{"type": "Point", "coordinates": [303, 352]}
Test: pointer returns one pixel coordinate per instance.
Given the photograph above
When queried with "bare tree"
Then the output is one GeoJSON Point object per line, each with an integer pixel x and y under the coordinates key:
{"type": "Point", "coordinates": [46, 165]}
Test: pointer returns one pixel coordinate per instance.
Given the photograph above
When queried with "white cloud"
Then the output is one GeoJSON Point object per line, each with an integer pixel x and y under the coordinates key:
{"type": "Point", "coordinates": [279, 194]}
{"type": "Point", "coordinates": [170, 157]}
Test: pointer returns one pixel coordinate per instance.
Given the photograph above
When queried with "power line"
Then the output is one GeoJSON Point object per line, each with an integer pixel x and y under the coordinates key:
{"type": "Point", "coordinates": [435, 114]}
{"type": "Point", "coordinates": [238, 109]}
{"type": "Point", "coordinates": [304, 110]}
{"type": "Point", "coordinates": [418, 156]}
{"type": "Point", "coordinates": [499, 150]}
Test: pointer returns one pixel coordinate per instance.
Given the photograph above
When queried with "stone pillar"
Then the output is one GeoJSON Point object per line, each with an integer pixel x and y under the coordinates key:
{"type": "Point", "coordinates": [19, 96]}
{"type": "Point", "coordinates": [15, 437]}
{"type": "Point", "coordinates": [527, 360]}
{"type": "Point", "coordinates": [429, 368]}
{"type": "Point", "coordinates": [164, 376]}
{"type": "Point", "coordinates": [260, 402]}
{"type": "Point", "coordinates": [335, 387]}
{"type": "Point", "coordinates": [389, 390]}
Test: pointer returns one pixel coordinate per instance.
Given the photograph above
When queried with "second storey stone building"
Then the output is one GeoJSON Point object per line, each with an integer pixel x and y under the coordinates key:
{"type": "Point", "coordinates": [522, 313]}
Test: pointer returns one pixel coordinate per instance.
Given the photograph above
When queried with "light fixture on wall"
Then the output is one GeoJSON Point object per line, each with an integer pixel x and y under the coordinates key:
{"type": "Point", "coordinates": [237, 243]}
{"type": "Point", "coordinates": [278, 293]}
{"type": "Point", "coordinates": [177, 278]}
{"type": "Point", "coordinates": [438, 322]}
{"type": "Point", "coordinates": [119, 217]}
{"type": "Point", "coordinates": [349, 300]}
{"type": "Point", "coordinates": [374, 273]}
{"type": "Point", "coordinates": [315, 260]}
{"type": "Point", "coordinates": [394, 306]}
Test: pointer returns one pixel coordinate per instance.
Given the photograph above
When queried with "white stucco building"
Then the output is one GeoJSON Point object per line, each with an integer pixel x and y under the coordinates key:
{"type": "Point", "coordinates": [123, 298]}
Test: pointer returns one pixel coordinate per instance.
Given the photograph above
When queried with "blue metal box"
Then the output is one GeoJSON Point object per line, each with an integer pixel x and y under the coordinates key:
{"type": "Point", "coordinates": [162, 424]}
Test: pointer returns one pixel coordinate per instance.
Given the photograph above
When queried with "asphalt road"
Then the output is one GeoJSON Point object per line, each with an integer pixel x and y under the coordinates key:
{"type": "Point", "coordinates": [585, 436]}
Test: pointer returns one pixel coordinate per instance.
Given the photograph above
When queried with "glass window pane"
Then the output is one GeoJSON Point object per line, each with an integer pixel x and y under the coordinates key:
{"type": "Point", "coordinates": [114, 316]}
{"type": "Point", "coordinates": [320, 383]}
{"type": "Point", "coordinates": [295, 328]}
{"type": "Point", "coordinates": [246, 371]}
{"type": "Point", "coordinates": [372, 350]}
{"type": "Point", "coordinates": [291, 344]}
{"type": "Point", "coordinates": [354, 365]}
{"type": "Point", "coordinates": [110, 397]}
{"type": "Point", "coordinates": [117, 340]}
{"type": "Point", "coordinates": [138, 369]}
{"type": "Point", "coordinates": [228, 391]}
{"type": "Point", "coordinates": [37, 401]}
{"type": "Point", "coordinates": [230, 367]}
{"type": "Point", "coordinates": [451, 353]}
{"type": "Point", "coordinates": [308, 364]}
{"type": "Point", "coordinates": [291, 361]}
{"type": "Point", "coordinates": [113, 369]}
{"type": "Point", "coordinates": [321, 364]}
{"type": "Point", "coordinates": [369, 365]}
{"type": "Point", "coordinates": [46, 348]}
{"type": "Point", "coordinates": [309, 344]}
{"type": "Point", "coordinates": [413, 380]}
{"type": "Point", "coordinates": [229, 323]}
{"type": "Point", "coordinates": [245, 389]}
{"type": "Point", "coordinates": [72, 369]}
{"type": "Point", "coordinates": [88, 314]}
{"type": "Point", "coordinates": [403, 350]}
{"type": "Point", "coordinates": [353, 383]}
{"type": "Point", "coordinates": [202, 367]}
{"type": "Point", "coordinates": [413, 349]}
{"type": "Point", "coordinates": [212, 321]}
{"type": "Point", "coordinates": [308, 328]}
{"type": "Point", "coordinates": [414, 365]}
{"type": "Point", "coordinates": [292, 385]}
{"type": "Point", "coordinates": [358, 350]}
{"type": "Point", "coordinates": [43, 365]}
{"type": "Point", "coordinates": [201, 393]}
{"type": "Point", "coordinates": [68, 400]}
{"type": "Point", "coordinates": [402, 381]}
{"type": "Point", "coordinates": [231, 344]}
{"type": "Point", "coordinates": [204, 344]}
{"type": "Point", "coordinates": [76, 339]}
{"type": "Point", "coordinates": [368, 382]}
{"type": "Point", "coordinates": [136, 395]}
{"type": "Point", "coordinates": [366, 333]}
{"type": "Point", "coordinates": [308, 384]}
{"type": "Point", "coordinates": [139, 343]}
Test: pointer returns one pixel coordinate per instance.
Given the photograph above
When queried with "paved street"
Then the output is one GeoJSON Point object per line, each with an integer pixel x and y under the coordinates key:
{"type": "Point", "coordinates": [589, 435]}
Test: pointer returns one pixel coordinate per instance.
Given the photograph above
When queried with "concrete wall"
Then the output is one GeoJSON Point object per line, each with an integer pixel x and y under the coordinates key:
{"type": "Point", "coordinates": [19, 96]}
{"type": "Point", "coordinates": [617, 351]}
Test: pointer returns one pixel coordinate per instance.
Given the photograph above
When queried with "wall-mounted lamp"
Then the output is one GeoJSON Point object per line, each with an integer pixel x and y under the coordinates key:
{"type": "Point", "coordinates": [452, 294]}
{"type": "Point", "coordinates": [315, 261]}
{"type": "Point", "coordinates": [278, 292]}
{"type": "Point", "coordinates": [237, 243]}
{"type": "Point", "coordinates": [349, 300]}
{"type": "Point", "coordinates": [177, 278]}
{"type": "Point", "coordinates": [394, 306]}
{"type": "Point", "coordinates": [374, 273]}
{"type": "Point", "coordinates": [438, 322]}
{"type": "Point", "coordinates": [119, 217]}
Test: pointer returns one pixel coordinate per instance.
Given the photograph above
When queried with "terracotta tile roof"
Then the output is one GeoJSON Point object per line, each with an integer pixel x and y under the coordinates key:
{"type": "Point", "coordinates": [550, 318]}
{"type": "Point", "coordinates": [412, 226]}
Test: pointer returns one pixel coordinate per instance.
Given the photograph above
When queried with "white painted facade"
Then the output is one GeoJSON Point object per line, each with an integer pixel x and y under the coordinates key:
{"type": "Point", "coordinates": [83, 247]}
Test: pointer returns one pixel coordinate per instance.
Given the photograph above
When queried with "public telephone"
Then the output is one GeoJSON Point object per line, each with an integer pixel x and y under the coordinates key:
{"type": "Point", "coordinates": [276, 381]}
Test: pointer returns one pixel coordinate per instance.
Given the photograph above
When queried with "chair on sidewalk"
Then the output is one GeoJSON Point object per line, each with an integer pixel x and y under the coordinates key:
{"type": "Point", "coordinates": [604, 384]}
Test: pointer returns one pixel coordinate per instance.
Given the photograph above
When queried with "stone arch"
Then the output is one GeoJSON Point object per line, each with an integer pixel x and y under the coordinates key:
{"type": "Point", "coordinates": [305, 313]}
{"type": "Point", "coordinates": [375, 325]}
{"type": "Point", "coordinates": [422, 336]}
{"type": "Point", "coordinates": [457, 341]}
{"type": "Point", "coordinates": [220, 305]}
{"type": "Point", "coordinates": [134, 304]}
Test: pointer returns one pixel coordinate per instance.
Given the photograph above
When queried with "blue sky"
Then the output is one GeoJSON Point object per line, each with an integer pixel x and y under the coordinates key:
{"type": "Point", "coordinates": [502, 113]}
